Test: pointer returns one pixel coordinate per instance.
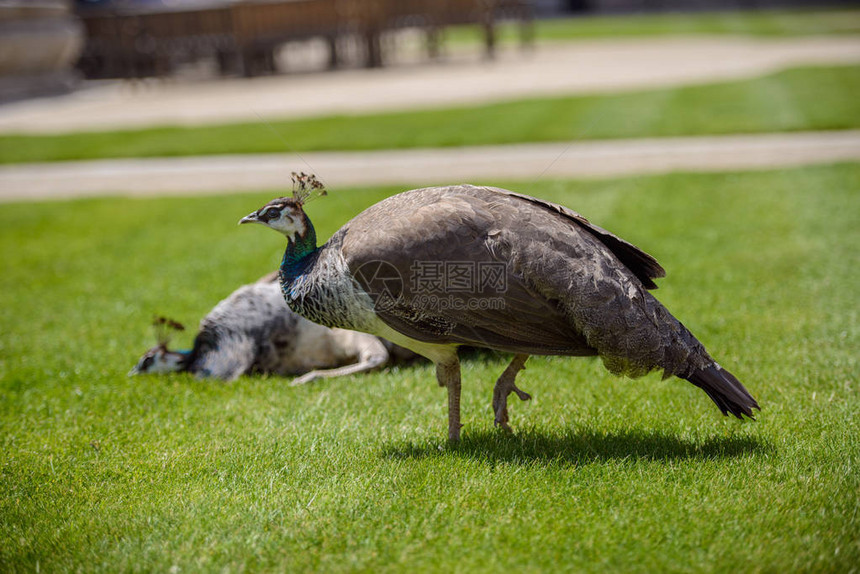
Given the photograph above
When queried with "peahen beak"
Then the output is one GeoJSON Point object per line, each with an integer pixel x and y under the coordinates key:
{"type": "Point", "coordinates": [250, 218]}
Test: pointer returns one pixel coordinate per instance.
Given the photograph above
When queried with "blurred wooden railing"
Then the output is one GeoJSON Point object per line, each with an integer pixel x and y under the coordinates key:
{"type": "Point", "coordinates": [243, 36]}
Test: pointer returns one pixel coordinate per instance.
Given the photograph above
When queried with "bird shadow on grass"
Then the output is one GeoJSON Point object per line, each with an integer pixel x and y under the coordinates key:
{"type": "Point", "coordinates": [581, 447]}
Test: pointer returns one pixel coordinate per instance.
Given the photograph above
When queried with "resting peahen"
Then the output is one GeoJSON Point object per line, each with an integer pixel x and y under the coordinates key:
{"type": "Point", "coordinates": [253, 331]}
{"type": "Point", "coordinates": [436, 268]}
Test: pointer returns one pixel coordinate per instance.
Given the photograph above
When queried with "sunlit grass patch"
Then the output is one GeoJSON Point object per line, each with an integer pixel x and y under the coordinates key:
{"type": "Point", "coordinates": [103, 473]}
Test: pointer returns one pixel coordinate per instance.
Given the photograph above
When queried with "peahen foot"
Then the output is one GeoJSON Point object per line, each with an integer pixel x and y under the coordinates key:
{"type": "Point", "coordinates": [505, 385]}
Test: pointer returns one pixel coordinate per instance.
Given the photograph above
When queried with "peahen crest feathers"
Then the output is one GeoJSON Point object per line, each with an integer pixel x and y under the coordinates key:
{"type": "Point", "coordinates": [306, 187]}
{"type": "Point", "coordinates": [164, 329]}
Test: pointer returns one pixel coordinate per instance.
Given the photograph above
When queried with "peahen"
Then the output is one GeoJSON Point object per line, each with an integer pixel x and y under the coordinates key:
{"type": "Point", "coordinates": [253, 331]}
{"type": "Point", "coordinates": [436, 268]}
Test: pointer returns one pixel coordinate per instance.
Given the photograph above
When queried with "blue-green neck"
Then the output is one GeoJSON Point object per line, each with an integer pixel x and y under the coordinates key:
{"type": "Point", "coordinates": [298, 252]}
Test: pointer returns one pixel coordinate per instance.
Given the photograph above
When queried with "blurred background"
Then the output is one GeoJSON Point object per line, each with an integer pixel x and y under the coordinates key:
{"type": "Point", "coordinates": [47, 45]}
{"type": "Point", "coordinates": [71, 69]}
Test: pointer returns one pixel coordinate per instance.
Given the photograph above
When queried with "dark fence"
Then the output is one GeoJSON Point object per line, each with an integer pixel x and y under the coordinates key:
{"type": "Point", "coordinates": [127, 42]}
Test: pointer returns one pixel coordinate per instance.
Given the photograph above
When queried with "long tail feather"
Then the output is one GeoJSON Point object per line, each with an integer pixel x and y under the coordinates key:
{"type": "Point", "coordinates": [725, 390]}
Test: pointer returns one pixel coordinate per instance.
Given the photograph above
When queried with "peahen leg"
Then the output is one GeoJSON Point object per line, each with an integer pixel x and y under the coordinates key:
{"type": "Point", "coordinates": [360, 367]}
{"type": "Point", "coordinates": [505, 386]}
{"type": "Point", "coordinates": [371, 355]}
{"type": "Point", "coordinates": [448, 375]}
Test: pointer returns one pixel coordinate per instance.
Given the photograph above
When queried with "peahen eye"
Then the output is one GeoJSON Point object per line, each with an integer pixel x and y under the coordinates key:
{"type": "Point", "coordinates": [271, 213]}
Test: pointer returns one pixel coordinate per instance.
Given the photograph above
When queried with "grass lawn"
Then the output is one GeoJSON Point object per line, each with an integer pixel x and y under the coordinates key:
{"type": "Point", "coordinates": [792, 100]}
{"type": "Point", "coordinates": [749, 23]}
{"type": "Point", "coordinates": [104, 473]}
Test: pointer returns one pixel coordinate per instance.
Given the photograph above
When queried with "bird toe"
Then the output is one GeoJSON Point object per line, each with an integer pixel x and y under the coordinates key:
{"type": "Point", "coordinates": [524, 396]}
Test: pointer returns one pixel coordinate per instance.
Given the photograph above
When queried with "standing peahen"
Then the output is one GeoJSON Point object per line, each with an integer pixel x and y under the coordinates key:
{"type": "Point", "coordinates": [436, 268]}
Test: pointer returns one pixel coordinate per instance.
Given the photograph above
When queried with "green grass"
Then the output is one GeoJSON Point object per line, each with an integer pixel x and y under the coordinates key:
{"type": "Point", "coordinates": [767, 23]}
{"type": "Point", "coordinates": [792, 100]}
{"type": "Point", "coordinates": [105, 473]}
{"type": "Point", "coordinates": [758, 23]}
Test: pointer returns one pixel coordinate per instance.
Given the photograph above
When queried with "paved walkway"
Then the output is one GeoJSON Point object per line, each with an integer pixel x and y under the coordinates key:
{"type": "Point", "coordinates": [568, 68]}
{"type": "Point", "coordinates": [183, 176]}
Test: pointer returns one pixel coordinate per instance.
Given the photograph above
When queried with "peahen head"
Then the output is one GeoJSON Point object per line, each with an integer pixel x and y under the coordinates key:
{"type": "Point", "coordinates": [286, 214]}
{"type": "Point", "coordinates": [160, 359]}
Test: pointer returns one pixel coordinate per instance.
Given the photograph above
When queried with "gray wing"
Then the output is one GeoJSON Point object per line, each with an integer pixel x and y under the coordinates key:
{"type": "Point", "coordinates": [480, 230]}
{"type": "Point", "coordinates": [643, 266]}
